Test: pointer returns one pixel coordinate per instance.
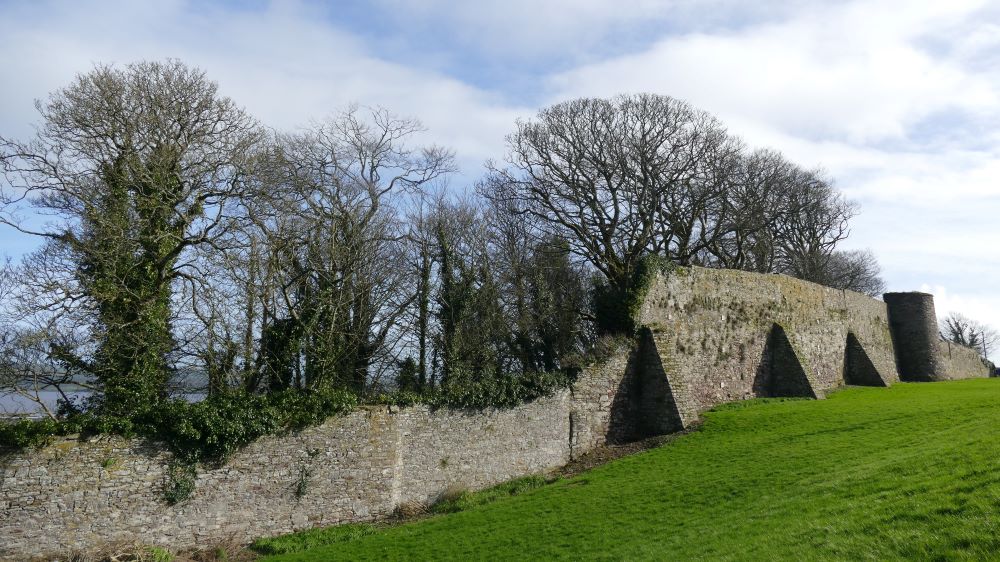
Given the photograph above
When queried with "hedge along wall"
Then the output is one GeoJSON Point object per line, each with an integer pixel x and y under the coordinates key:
{"type": "Point", "coordinates": [79, 496]}
{"type": "Point", "coordinates": [725, 335]}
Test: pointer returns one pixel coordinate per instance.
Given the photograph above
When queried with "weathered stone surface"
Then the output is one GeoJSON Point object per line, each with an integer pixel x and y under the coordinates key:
{"type": "Point", "coordinates": [78, 496]}
{"type": "Point", "coordinates": [725, 335]}
{"type": "Point", "coordinates": [603, 402]}
{"type": "Point", "coordinates": [858, 367]}
{"type": "Point", "coordinates": [959, 362]}
{"type": "Point", "coordinates": [913, 323]}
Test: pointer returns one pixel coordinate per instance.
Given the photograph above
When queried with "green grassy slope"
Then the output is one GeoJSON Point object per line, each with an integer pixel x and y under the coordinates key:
{"type": "Point", "coordinates": [907, 472]}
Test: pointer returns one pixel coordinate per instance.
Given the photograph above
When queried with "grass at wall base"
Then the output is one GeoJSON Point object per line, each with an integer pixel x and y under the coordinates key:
{"type": "Point", "coordinates": [908, 472]}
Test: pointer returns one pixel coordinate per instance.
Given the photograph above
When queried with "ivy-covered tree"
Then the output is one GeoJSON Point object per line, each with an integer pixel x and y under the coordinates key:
{"type": "Point", "coordinates": [136, 165]}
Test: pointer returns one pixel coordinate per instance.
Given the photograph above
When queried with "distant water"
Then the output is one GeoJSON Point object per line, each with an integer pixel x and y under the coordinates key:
{"type": "Point", "coordinates": [15, 405]}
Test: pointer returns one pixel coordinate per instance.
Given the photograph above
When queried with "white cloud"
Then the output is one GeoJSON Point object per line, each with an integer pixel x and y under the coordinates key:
{"type": "Point", "coordinates": [286, 65]}
{"type": "Point", "coordinates": [856, 74]}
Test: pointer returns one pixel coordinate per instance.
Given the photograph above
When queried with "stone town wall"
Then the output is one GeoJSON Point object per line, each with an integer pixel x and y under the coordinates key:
{"type": "Point", "coordinates": [725, 335]}
{"type": "Point", "coordinates": [707, 336]}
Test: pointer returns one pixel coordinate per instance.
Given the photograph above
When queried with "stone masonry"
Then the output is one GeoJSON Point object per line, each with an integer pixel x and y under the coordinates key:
{"type": "Point", "coordinates": [725, 335]}
{"type": "Point", "coordinates": [76, 496]}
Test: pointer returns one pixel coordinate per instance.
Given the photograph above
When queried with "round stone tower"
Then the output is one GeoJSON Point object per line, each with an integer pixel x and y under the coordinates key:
{"type": "Point", "coordinates": [914, 330]}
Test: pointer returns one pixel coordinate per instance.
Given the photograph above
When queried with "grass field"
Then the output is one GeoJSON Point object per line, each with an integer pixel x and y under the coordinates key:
{"type": "Point", "coordinates": [909, 472]}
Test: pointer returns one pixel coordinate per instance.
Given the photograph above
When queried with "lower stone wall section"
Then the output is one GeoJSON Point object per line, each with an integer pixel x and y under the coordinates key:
{"type": "Point", "coordinates": [472, 450]}
{"type": "Point", "coordinates": [75, 496]}
{"type": "Point", "coordinates": [960, 362]}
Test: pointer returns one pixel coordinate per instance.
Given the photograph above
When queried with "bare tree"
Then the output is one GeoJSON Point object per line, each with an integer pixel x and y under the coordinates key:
{"type": "Point", "coordinates": [322, 271]}
{"type": "Point", "coordinates": [815, 222]}
{"type": "Point", "coordinates": [543, 292]}
{"type": "Point", "coordinates": [756, 204]}
{"type": "Point", "coordinates": [855, 270]}
{"type": "Point", "coordinates": [597, 172]}
{"type": "Point", "coordinates": [618, 179]}
{"type": "Point", "coordinates": [695, 213]}
{"type": "Point", "coordinates": [422, 219]}
{"type": "Point", "coordinates": [32, 325]}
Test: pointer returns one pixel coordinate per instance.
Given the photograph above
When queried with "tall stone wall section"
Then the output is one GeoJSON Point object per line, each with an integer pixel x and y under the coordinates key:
{"type": "Point", "coordinates": [604, 399]}
{"type": "Point", "coordinates": [723, 335]}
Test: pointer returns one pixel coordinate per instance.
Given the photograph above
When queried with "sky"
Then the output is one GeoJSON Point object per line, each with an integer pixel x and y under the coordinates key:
{"type": "Point", "coordinates": [899, 101]}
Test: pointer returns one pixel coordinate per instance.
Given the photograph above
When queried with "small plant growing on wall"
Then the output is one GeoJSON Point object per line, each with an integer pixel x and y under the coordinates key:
{"type": "Point", "coordinates": [301, 486]}
{"type": "Point", "coordinates": [180, 482]}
